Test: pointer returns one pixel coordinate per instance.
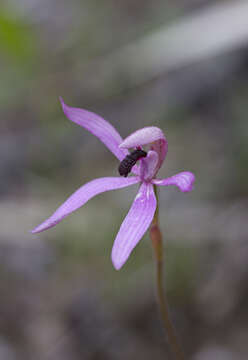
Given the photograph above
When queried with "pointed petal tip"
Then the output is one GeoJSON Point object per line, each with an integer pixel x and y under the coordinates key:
{"type": "Point", "coordinates": [35, 230]}
{"type": "Point", "coordinates": [42, 227]}
{"type": "Point", "coordinates": [61, 101]}
{"type": "Point", "coordinates": [115, 263]}
{"type": "Point", "coordinates": [63, 104]}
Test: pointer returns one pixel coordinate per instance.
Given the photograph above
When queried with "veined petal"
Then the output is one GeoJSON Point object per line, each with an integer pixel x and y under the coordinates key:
{"type": "Point", "coordinates": [98, 127]}
{"type": "Point", "coordinates": [82, 195]}
{"type": "Point", "coordinates": [148, 165]}
{"type": "Point", "coordinates": [184, 181]}
{"type": "Point", "coordinates": [134, 225]}
{"type": "Point", "coordinates": [148, 135]}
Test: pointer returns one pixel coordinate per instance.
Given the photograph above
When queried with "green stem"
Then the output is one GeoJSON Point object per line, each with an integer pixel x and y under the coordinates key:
{"type": "Point", "coordinates": [156, 238]}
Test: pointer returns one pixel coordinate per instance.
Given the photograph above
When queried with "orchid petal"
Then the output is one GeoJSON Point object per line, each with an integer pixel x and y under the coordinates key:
{"type": "Point", "coordinates": [98, 127]}
{"type": "Point", "coordinates": [148, 135]}
{"type": "Point", "coordinates": [149, 165]}
{"type": "Point", "coordinates": [184, 181]}
{"type": "Point", "coordinates": [134, 225]}
{"type": "Point", "coordinates": [82, 195]}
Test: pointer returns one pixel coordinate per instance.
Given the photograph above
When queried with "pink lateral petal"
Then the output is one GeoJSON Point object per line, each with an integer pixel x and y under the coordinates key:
{"type": "Point", "coordinates": [148, 135]}
{"type": "Point", "coordinates": [134, 225]}
{"type": "Point", "coordinates": [98, 127]}
{"type": "Point", "coordinates": [184, 181]}
{"type": "Point", "coordinates": [82, 195]}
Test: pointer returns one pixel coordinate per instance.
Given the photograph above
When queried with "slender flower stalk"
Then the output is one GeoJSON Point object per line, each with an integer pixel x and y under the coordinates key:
{"type": "Point", "coordinates": [157, 243]}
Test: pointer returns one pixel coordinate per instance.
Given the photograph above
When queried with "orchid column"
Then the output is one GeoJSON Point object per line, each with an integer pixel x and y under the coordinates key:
{"type": "Point", "coordinates": [143, 212]}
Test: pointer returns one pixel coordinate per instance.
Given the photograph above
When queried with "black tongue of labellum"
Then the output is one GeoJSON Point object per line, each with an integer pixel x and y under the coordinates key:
{"type": "Point", "coordinates": [129, 161]}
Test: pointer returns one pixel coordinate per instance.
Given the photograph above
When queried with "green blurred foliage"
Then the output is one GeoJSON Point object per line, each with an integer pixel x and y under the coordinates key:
{"type": "Point", "coordinates": [17, 41]}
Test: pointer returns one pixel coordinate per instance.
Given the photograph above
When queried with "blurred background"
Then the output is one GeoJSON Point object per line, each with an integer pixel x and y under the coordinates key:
{"type": "Point", "coordinates": [179, 65]}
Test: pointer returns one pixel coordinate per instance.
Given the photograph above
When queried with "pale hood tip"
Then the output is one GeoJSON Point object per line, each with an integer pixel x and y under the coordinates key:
{"type": "Point", "coordinates": [143, 136]}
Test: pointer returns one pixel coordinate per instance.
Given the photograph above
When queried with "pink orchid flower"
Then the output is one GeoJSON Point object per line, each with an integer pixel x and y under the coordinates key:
{"type": "Point", "coordinates": [143, 208]}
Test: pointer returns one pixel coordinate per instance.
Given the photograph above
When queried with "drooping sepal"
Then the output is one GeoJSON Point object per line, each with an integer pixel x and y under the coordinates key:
{"type": "Point", "coordinates": [134, 225]}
